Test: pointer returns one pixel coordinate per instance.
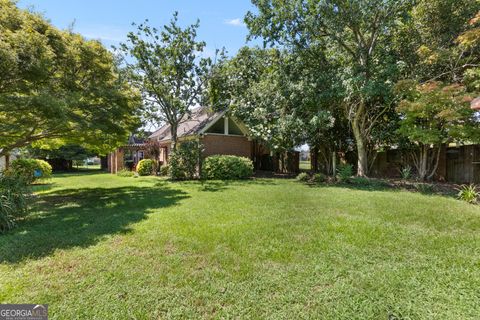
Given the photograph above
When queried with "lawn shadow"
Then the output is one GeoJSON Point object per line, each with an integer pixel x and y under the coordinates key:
{"type": "Point", "coordinates": [80, 218]}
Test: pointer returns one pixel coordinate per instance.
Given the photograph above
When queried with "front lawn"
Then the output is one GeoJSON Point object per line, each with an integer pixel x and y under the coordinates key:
{"type": "Point", "coordinates": [98, 246]}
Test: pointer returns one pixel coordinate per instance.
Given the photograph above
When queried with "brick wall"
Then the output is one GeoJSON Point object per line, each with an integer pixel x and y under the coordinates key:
{"type": "Point", "coordinates": [227, 145]}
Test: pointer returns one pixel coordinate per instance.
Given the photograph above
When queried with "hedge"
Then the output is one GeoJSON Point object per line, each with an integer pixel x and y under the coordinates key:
{"type": "Point", "coordinates": [220, 167]}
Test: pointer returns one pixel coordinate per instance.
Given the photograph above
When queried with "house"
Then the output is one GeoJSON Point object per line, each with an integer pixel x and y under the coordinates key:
{"type": "Point", "coordinates": [218, 132]}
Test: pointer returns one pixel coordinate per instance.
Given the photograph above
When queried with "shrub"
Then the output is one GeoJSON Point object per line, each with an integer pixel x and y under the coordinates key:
{"type": "Point", "coordinates": [227, 167]}
{"type": "Point", "coordinates": [164, 170]}
{"type": "Point", "coordinates": [146, 167]}
{"type": "Point", "coordinates": [344, 172]}
{"type": "Point", "coordinates": [406, 172]}
{"type": "Point", "coordinates": [125, 173]}
{"type": "Point", "coordinates": [319, 178]}
{"type": "Point", "coordinates": [13, 201]}
{"type": "Point", "coordinates": [468, 193]}
{"type": "Point", "coordinates": [303, 177]}
{"type": "Point", "coordinates": [30, 170]}
{"type": "Point", "coordinates": [185, 161]}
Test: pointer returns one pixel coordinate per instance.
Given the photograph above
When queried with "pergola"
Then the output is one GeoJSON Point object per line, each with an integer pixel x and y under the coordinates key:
{"type": "Point", "coordinates": [116, 159]}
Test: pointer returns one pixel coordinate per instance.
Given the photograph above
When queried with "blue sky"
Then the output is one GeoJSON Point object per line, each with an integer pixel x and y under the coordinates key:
{"type": "Point", "coordinates": [221, 21]}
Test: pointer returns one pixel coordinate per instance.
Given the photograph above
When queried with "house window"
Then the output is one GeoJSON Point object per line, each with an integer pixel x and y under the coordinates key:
{"type": "Point", "coordinates": [233, 128]}
{"type": "Point", "coordinates": [140, 155]}
{"type": "Point", "coordinates": [218, 127]}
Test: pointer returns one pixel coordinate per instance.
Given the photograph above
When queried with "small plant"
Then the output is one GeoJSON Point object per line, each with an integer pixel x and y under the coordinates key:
{"type": "Point", "coordinates": [468, 193]}
{"type": "Point", "coordinates": [344, 173]}
{"type": "Point", "coordinates": [302, 177]}
{"type": "Point", "coordinates": [319, 178]}
{"type": "Point", "coordinates": [406, 172]}
{"type": "Point", "coordinates": [125, 173]}
{"type": "Point", "coordinates": [146, 167]}
{"type": "Point", "coordinates": [13, 201]}
{"type": "Point", "coordinates": [227, 168]}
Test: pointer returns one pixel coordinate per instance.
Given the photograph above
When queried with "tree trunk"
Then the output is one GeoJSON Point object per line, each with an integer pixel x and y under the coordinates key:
{"type": "Point", "coordinates": [173, 133]}
{"type": "Point", "coordinates": [362, 165]}
{"type": "Point", "coordinates": [314, 159]}
{"type": "Point", "coordinates": [422, 166]}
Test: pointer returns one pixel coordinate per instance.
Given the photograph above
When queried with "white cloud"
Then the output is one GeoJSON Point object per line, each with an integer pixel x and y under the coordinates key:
{"type": "Point", "coordinates": [103, 32]}
{"type": "Point", "coordinates": [237, 22]}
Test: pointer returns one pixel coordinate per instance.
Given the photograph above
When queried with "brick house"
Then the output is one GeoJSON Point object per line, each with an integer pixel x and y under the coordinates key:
{"type": "Point", "coordinates": [218, 132]}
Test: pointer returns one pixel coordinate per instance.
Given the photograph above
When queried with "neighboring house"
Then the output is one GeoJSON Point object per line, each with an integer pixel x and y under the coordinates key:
{"type": "Point", "coordinates": [219, 134]}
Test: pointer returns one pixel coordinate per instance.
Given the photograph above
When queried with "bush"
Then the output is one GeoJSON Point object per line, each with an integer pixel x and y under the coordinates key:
{"type": "Point", "coordinates": [344, 173]}
{"type": "Point", "coordinates": [227, 167]}
{"type": "Point", "coordinates": [164, 170]}
{"type": "Point", "coordinates": [468, 193]}
{"type": "Point", "coordinates": [146, 167]}
{"type": "Point", "coordinates": [302, 177]}
{"type": "Point", "coordinates": [125, 173]}
{"type": "Point", "coordinates": [184, 162]}
{"type": "Point", "coordinates": [406, 172]}
{"type": "Point", "coordinates": [319, 178]}
{"type": "Point", "coordinates": [30, 170]}
{"type": "Point", "coordinates": [13, 201]}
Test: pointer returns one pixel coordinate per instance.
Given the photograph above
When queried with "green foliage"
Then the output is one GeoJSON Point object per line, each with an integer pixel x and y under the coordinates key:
{"type": "Point", "coordinates": [30, 170]}
{"type": "Point", "coordinates": [221, 167]}
{"type": "Point", "coordinates": [72, 152]}
{"type": "Point", "coordinates": [65, 89]}
{"type": "Point", "coordinates": [184, 162]}
{"type": "Point", "coordinates": [406, 172]}
{"type": "Point", "coordinates": [164, 170]}
{"type": "Point", "coordinates": [344, 172]}
{"type": "Point", "coordinates": [125, 173]}
{"type": "Point", "coordinates": [146, 167]}
{"type": "Point", "coordinates": [468, 193]}
{"type": "Point", "coordinates": [434, 114]}
{"type": "Point", "coordinates": [13, 201]}
{"type": "Point", "coordinates": [167, 67]}
{"type": "Point", "coordinates": [319, 178]}
{"type": "Point", "coordinates": [303, 177]}
{"type": "Point", "coordinates": [354, 38]}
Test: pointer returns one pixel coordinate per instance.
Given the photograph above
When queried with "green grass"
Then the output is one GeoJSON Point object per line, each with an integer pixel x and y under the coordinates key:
{"type": "Point", "coordinates": [99, 246]}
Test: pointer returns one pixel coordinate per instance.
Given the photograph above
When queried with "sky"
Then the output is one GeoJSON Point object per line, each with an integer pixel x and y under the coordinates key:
{"type": "Point", "coordinates": [221, 21]}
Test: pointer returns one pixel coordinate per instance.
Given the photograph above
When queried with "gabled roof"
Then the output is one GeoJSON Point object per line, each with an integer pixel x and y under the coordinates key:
{"type": "Point", "coordinates": [190, 124]}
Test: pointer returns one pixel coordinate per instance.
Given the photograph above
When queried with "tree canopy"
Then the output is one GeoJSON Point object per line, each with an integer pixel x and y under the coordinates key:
{"type": "Point", "coordinates": [168, 70]}
{"type": "Point", "coordinates": [56, 87]}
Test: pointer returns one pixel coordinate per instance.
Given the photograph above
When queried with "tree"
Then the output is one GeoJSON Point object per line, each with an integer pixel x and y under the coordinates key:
{"type": "Point", "coordinates": [57, 88]}
{"type": "Point", "coordinates": [168, 70]}
{"type": "Point", "coordinates": [434, 114]}
{"type": "Point", "coordinates": [63, 157]}
{"type": "Point", "coordinates": [256, 87]}
{"type": "Point", "coordinates": [357, 35]}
